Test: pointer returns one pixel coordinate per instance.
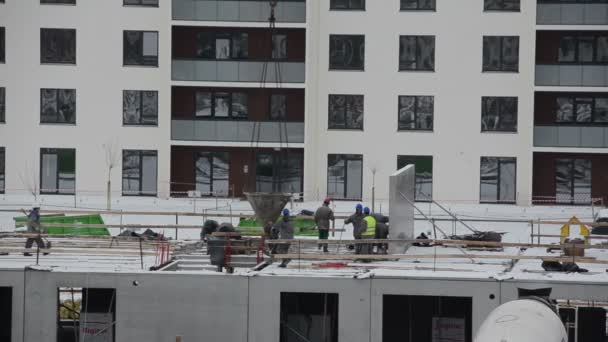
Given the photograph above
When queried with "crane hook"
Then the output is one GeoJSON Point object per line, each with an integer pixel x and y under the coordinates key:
{"type": "Point", "coordinates": [273, 5]}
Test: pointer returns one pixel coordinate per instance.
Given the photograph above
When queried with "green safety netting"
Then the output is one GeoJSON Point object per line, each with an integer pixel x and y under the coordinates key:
{"type": "Point", "coordinates": [83, 219]}
{"type": "Point", "coordinates": [303, 226]}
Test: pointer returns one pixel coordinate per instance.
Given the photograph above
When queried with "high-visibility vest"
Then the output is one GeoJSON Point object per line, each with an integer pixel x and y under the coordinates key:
{"type": "Point", "coordinates": [371, 226]}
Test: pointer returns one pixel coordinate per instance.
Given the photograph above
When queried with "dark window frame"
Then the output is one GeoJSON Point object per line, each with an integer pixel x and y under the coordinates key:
{"type": "Point", "coordinates": [42, 121]}
{"type": "Point", "coordinates": [2, 45]}
{"type": "Point", "coordinates": [46, 61]}
{"type": "Point", "coordinates": [140, 4]}
{"type": "Point", "coordinates": [403, 9]}
{"type": "Point", "coordinates": [270, 117]}
{"type": "Point", "coordinates": [2, 169]}
{"type": "Point", "coordinates": [140, 192]}
{"type": "Point", "coordinates": [230, 116]}
{"type": "Point", "coordinates": [418, 55]}
{"type": "Point", "coordinates": [502, 68]}
{"type": "Point", "coordinates": [334, 67]}
{"type": "Point", "coordinates": [349, 6]}
{"type": "Point", "coordinates": [210, 156]}
{"type": "Point", "coordinates": [346, 158]}
{"type": "Point", "coordinates": [2, 105]}
{"type": "Point", "coordinates": [141, 58]}
{"type": "Point", "coordinates": [572, 161]}
{"type": "Point", "coordinates": [500, 107]}
{"type": "Point", "coordinates": [141, 109]}
{"type": "Point", "coordinates": [58, 2]}
{"type": "Point", "coordinates": [272, 57]}
{"type": "Point", "coordinates": [578, 38]}
{"type": "Point", "coordinates": [500, 160]}
{"type": "Point", "coordinates": [572, 1]}
{"type": "Point", "coordinates": [280, 170]}
{"type": "Point", "coordinates": [92, 300]}
{"type": "Point", "coordinates": [487, 9]}
{"type": "Point", "coordinates": [574, 121]}
{"type": "Point", "coordinates": [416, 107]}
{"type": "Point", "coordinates": [407, 159]}
{"type": "Point", "coordinates": [347, 126]}
{"type": "Point", "coordinates": [308, 303]}
{"type": "Point", "coordinates": [231, 37]}
{"type": "Point", "coordinates": [56, 151]}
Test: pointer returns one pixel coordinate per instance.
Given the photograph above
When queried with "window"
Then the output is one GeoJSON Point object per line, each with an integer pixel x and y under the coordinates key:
{"type": "Point", "coordinates": [212, 173]}
{"type": "Point", "coordinates": [140, 48]}
{"type": "Point", "coordinates": [278, 107]}
{"type": "Point", "coordinates": [97, 306]}
{"type": "Point", "coordinates": [573, 181]}
{"type": "Point", "coordinates": [65, 2]}
{"type": "Point", "coordinates": [501, 5]}
{"type": "Point", "coordinates": [499, 114]}
{"type": "Point", "coordinates": [139, 172]}
{"type": "Point", "coordinates": [417, 53]}
{"type": "Point", "coordinates": [2, 104]}
{"type": "Point", "coordinates": [57, 46]}
{"type": "Point", "coordinates": [2, 175]}
{"type": "Point", "coordinates": [57, 171]}
{"type": "Point", "coordinates": [583, 49]}
{"type": "Point", "coordinates": [418, 5]}
{"type": "Point", "coordinates": [279, 46]}
{"type": "Point", "coordinates": [500, 53]}
{"type": "Point", "coordinates": [2, 44]}
{"type": "Point", "coordinates": [346, 52]}
{"type": "Point", "coordinates": [219, 45]}
{"type": "Point", "coordinates": [6, 312]}
{"type": "Point", "coordinates": [345, 176]}
{"type": "Point", "coordinates": [58, 106]}
{"type": "Point", "coordinates": [347, 5]}
{"type": "Point", "coordinates": [147, 3]}
{"type": "Point", "coordinates": [421, 318]}
{"type": "Point", "coordinates": [139, 107]}
{"type": "Point", "coordinates": [309, 317]}
{"type": "Point", "coordinates": [416, 113]}
{"type": "Point", "coordinates": [346, 112]}
{"type": "Point", "coordinates": [424, 175]}
{"type": "Point", "coordinates": [583, 109]}
{"type": "Point", "coordinates": [279, 172]}
{"type": "Point", "coordinates": [221, 105]}
{"type": "Point", "coordinates": [498, 180]}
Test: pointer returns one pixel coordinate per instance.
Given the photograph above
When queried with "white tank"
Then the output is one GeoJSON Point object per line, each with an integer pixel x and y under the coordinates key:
{"type": "Point", "coordinates": [525, 320]}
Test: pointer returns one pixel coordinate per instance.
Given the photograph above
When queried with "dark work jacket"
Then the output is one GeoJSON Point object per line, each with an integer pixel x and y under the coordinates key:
{"type": "Point", "coordinates": [359, 224]}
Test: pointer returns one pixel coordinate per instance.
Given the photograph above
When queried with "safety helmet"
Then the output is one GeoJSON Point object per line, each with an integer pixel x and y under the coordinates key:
{"type": "Point", "coordinates": [359, 207]}
{"type": "Point", "coordinates": [285, 212]}
{"type": "Point", "coordinates": [327, 200]}
{"type": "Point", "coordinates": [366, 211]}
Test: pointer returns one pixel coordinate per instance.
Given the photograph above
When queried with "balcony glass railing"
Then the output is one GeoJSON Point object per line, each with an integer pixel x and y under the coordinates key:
{"type": "Point", "coordinates": [571, 136]}
{"type": "Point", "coordinates": [287, 11]}
{"type": "Point", "coordinates": [574, 75]}
{"type": "Point", "coordinates": [571, 14]}
{"type": "Point", "coordinates": [236, 71]}
{"type": "Point", "coordinates": [237, 131]}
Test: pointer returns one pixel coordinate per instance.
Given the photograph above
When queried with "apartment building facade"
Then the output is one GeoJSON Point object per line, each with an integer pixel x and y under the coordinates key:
{"type": "Point", "coordinates": [494, 101]}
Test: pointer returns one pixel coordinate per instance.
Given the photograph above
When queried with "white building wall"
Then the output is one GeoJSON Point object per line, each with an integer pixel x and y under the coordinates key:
{"type": "Point", "coordinates": [457, 84]}
{"type": "Point", "coordinates": [99, 79]}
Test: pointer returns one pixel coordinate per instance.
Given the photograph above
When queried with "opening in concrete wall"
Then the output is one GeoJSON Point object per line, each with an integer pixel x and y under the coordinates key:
{"type": "Point", "coordinates": [426, 319]}
{"type": "Point", "coordinates": [309, 317]}
{"type": "Point", "coordinates": [86, 314]}
{"type": "Point", "coordinates": [6, 313]}
{"type": "Point", "coordinates": [585, 321]}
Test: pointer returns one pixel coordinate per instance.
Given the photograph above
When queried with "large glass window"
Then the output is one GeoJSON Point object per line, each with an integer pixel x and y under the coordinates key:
{"type": "Point", "coordinates": [147, 3]}
{"type": "Point", "coordinates": [346, 52]}
{"type": "Point", "coordinates": [221, 105]}
{"type": "Point", "coordinates": [279, 172]}
{"type": "Point", "coordinates": [346, 112]}
{"type": "Point", "coordinates": [573, 181]}
{"type": "Point", "coordinates": [85, 314]}
{"type": "Point", "coordinates": [501, 5]}
{"type": "Point", "coordinates": [345, 176]}
{"type": "Point", "coordinates": [347, 4]}
{"type": "Point", "coordinates": [58, 106]}
{"type": "Point", "coordinates": [420, 5]}
{"type": "Point", "coordinates": [583, 49]}
{"type": "Point", "coordinates": [212, 173]}
{"type": "Point", "coordinates": [219, 45]}
{"type": "Point", "coordinates": [2, 169]}
{"type": "Point", "coordinates": [501, 53]}
{"type": "Point", "coordinates": [2, 104]}
{"type": "Point", "coordinates": [499, 114]}
{"type": "Point", "coordinates": [581, 109]}
{"type": "Point", "coordinates": [417, 53]}
{"type": "Point", "coordinates": [278, 107]}
{"type": "Point", "coordinates": [424, 175]}
{"type": "Point", "coordinates": [498, 177]}
{"type": "Point", "coordinates": [139, 172]}
{"type": "Point", "coordinates": [416, 113]}
{"type": "Point", "coordinates": [279, 46]}
{"type": "Point", "coordinates": [139, 107]}
{"type": "Point", "coordinates": [140, 48]}
{"type": "Point", "coordinates": [57, 171]}
{"type": "Point", "coordinates": [57, 46]}
{"type": "Point", "coordinates": [2, 45]}
{"type": "Point", "coordinates": [309, 317]}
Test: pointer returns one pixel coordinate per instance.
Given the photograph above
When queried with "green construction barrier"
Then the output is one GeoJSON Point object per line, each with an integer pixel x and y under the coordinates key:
{"type": "Point", "coordinates": [303, 227]}
{"type": "Point", "coordinates": [83, 219]}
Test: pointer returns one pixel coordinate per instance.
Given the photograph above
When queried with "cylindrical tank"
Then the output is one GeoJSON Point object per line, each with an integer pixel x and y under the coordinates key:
{"type": "Point", "coordinates": [524, 320]}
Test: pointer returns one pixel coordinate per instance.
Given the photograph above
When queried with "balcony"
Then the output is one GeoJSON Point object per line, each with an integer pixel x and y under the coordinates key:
{"type": "Point", "coordinates": [237, 131]}
{"type": "Point", "coordinates": [574, 75]}
{"type": "Point", "coordinates": [238, 10]}
{"type": "Point", "coordinates": [571, 14]}
{"type": "Point", "coordinates": [235, 71]}
{"type": "Point", "coordinates": [571, 136]}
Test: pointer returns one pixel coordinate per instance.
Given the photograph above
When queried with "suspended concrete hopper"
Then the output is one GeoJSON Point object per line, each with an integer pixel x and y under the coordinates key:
{"type": "Point", "coordinates": [267, 206]}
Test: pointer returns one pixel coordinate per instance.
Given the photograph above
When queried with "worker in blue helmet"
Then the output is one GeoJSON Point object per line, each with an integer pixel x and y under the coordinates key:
{"type": "Point", "coordinates": [285, 230]}
{"type": "Point", "coordinates": [359, 225]}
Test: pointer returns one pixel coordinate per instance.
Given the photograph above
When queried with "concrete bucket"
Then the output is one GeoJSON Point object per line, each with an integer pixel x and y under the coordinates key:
{"type": "Point", "coordinates": [267, 206]}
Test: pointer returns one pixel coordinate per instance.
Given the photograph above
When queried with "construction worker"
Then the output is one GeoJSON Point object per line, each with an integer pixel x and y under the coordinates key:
{"type": "Point", "coordinates": [285, 230]}
{"type": "Point", "coordinates": [370, 232]}
{"type": "Point", "coordinates": [322, 217]}
{"type": "Point", "coordinates": [209, 227]}
{"type": "Point", "coordinates": [381, 234]}
{"type": "Point", "coordinates": [33, 227]}
{"type": "Point", "coordinates": [359, 225]}
{"type": "Point", "coordinates": [271, 234]}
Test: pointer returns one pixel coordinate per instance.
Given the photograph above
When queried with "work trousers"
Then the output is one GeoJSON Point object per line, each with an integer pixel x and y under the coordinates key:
{"type": "Point", "coordinates": [30, 242]}
{"type": "Point", "coordinates": [323, 235]}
